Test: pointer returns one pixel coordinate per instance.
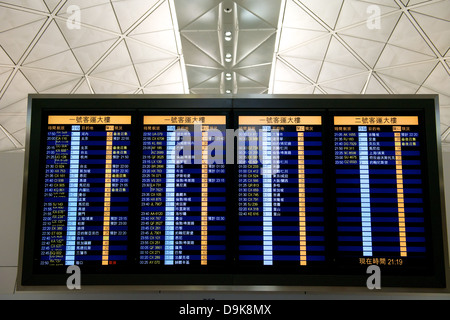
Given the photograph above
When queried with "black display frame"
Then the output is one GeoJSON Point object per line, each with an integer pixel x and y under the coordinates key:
{"type": "Point", "coordinates": [232, 106]}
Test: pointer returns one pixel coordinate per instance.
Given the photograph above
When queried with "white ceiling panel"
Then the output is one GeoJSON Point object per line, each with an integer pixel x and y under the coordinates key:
{"type": "Point", "coordinates": [178, 46]}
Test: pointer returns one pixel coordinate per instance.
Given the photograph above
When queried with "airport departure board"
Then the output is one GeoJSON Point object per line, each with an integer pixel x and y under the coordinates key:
{"type": "Point", "coordinates": [281, 192]}
{"type": "Point", "coordinates": [183, 212]}
{"type": "Point", "coordinates": [380, 189]}
{"type": "Point", "coordinates": [200, 191]}
{"type": "Point", "coordinates": [85, 190]}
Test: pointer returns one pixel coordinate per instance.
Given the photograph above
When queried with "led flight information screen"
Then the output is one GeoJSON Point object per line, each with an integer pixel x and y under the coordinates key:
{"type": "Point", "coordinates": [183, 212]}
{"type": "Point", "coordinates": [202, 191]}
{"type": "Point", "coordinates": [281, 190]}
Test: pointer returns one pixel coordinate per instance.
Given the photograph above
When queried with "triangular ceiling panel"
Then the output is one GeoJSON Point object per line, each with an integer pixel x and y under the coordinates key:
{"type": "Point", "coordinates": [293, 38]}
{"type": "Point", "coordinates": [413, 2]}
{"type": "Point", "coordinates": [295, 17]}
{"type": "Point", "coordinates": [260, 74]}
{"type": "Point", "coordinates": [284, 74]}
{"type": "Point", "coordinates": [369, 50]}
{"type": "Point", "coordinates": [331, 71]}
{"type": "Point", "coordinates": [200, 75]}
{"type": "Point", "coordinates": [437, 10]}
{"type": "Point", "coordinates": [375, 87]}
{"type": "Point", "coordinates": [5, 143]}
{"type": "Point", "coordinates": [164, 40]}
{"type": "Point", "coordinates": [159, 19]}
{"type": "Point", "coordinates": [50, 44]}
{"type": "Point", "coordinates": [350, 85]}
{"type": "Point", "coordinates": [438, 80]}
{"type": "Point", "coordinates": [206, 21]}
{"type": "Point", "coordinates": [338, 54]}
{"type": "Point", "coordinates": [64, 61]}
{"type": "Point", "coordinates": [17, 40]}
{"type": "Point", "coordinates": [269, 12]}
{"type": "Point", "coordinates": [4, 58]}
{"type": "Point", "coordinates": [394, 56]}
{"type": "Point", "coordinates": [361, 30]}
{"type": "Point", "coordinates": [101, 86]}
{"type": "Point", "coordinates": [407, 36]}
{"type": "Point", "coordinates": [51, 4]}
{"type": "Point", "coordinates": [327, 11]}
{"type": "Point", "coordinates": [207, 42]}
{"type": "Point", "coordinates": [129, 11]}
{"type": "Point", "coordinates": [399, 86]}
{"type": "Point", "coordinates": [310, 68]}
{"type": "Point", "coordinates": [249, 20]}
{"type": "Point", "coordinates": [312, 50]}
{"type": "Point", "coordinates": [357, 12]}
{"type": "Point", "coordinates": [43, 80]}
{"type": "Point", "coordinates": [209, 85]}
{"type": "Point", "coordinates": [416, 73]}
{"type": "Point", "coordinates": [88, 55]}
{"type": "Point", "coordinates": [84, 35]}
{"type": "Point", "coordinates": [63, 88]}
{"type": "Point", "coordinates": [189, 11]}
{"type": "Point", "coordinates": [18, 89]}
{"type": "Point", "coordinates": [117, 66]}
{"type": "Point", "coordinates": [95, 13]}
{"type": "Point", "coordinates": [437, 30]}
{"type": "Point", "coordinates": [170, 76]}
{"type": "Point", "coordinates": [12, 122]}
{"type": "Point", "coordinates": [195, 56]}
{"type": "Point", "coordinates": [31, 4]}
{"type": "Point", "coordinates": [258, 55]}
{"type": "Point", "coordinates": [5, 73]}
{"type": "Point", "coordinates": [253, 40]}
{"type": "Point", "coordinates": [164, 89]}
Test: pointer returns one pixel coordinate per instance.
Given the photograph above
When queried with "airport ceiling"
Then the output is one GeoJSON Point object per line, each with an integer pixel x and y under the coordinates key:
{"type": "Point", "coordinates": [220, 47]}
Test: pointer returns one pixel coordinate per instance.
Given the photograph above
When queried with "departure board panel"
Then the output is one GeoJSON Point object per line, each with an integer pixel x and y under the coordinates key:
{"type": "Point", "coordinates": [86, 196]}
{"type": "Point", "coordinates": [380, 189]}
{"type": "Point", "coordinates": [281, 195]}
{"type": "Point", "coordinates": [183, 213]}
{"type": "Point", "coordinates": [254, 191]}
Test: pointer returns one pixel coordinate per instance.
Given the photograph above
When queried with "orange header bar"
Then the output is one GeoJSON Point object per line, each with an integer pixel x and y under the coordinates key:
{"type": "Point", "coordinates": [376, 120]}
{"type": "Point", "coordinates": [89, 119]}
{"type": "Point", "coordinates": [280, 120]}
{"type": "Point", "coordinates": [184, 120]}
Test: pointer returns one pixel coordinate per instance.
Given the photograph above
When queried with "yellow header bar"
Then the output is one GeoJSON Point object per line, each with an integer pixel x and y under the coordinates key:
{"type": "Point", "coordinates": [376, 121]}
{"type": "Point", "coordinates": [184, 120]}
{"type": "Point", "coordinates": [280, 120]}
{"type": "Point", "coordinates": [89, 119]}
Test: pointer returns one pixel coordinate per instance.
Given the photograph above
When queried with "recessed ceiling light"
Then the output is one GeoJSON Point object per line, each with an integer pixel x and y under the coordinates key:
{"type": "Point", "coordinates": [228, 36]}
